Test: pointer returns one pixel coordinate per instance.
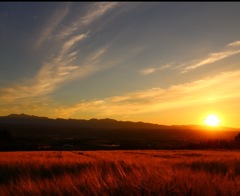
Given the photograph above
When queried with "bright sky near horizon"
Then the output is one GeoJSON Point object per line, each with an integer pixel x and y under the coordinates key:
{"type": "Point", "coordinates": [160, 62]}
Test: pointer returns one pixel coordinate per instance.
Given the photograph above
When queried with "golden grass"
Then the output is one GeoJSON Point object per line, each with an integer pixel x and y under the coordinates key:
{"type": "Point", "coordinates": [135, 172]}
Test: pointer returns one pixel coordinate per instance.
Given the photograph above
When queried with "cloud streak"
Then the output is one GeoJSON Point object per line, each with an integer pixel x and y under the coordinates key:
{"type": "Point", "coordinates": [61, 67]}
{"type": "Point", "coordinates": [151, 70]}
{"type": "Point", "coordinates": [234, 44]}
{"type": "Point", "coordinates": [94, 12]}
{"type": "Point", "coordinates": [51, 24]}
{"type": "Point", "coordinates": [231, 50]}
{"type": "Point", "coordinates": [199, 92]}
{"type": "Point", "coordinates": [50, 76]}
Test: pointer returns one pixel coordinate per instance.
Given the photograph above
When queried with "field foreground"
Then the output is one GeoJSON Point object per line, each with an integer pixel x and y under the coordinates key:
{"type": "Point", "coordinates": [150, 172]}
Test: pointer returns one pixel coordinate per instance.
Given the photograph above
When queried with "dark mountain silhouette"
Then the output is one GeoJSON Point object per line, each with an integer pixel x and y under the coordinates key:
{"type": "Point", "coordinates": [106, 123]}
{"type": "Point", "coordinates": [29, 130]}
{"type": "Point", "coordinates": [92, 123]}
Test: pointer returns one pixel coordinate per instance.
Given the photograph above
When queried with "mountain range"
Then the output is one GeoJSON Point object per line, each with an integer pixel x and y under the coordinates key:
{"type": "Point", "coordinates": [106, 123]}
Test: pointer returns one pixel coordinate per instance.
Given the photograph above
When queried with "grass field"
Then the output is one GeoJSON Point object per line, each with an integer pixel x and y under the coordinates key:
{"type": "Point", "coordinates": [120, 173]}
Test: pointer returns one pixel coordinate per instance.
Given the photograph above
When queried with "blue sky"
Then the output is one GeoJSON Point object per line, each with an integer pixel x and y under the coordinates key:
{"type": "Point", "coordinates": [161, 62]}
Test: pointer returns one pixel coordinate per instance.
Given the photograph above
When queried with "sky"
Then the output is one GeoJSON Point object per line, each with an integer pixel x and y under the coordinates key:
{"type": "Point", "coordinates": [169, 63]}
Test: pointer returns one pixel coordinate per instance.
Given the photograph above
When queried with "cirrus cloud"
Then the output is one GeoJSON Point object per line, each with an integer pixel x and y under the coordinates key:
{"type": "Point", "coordinates": [225, 86]}
{"type": "Point", "coordinates": [231, 50]}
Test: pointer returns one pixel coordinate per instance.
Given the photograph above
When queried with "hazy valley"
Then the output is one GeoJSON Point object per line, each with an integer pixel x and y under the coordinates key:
{"type": "Point", "coordinates": [25, 132]}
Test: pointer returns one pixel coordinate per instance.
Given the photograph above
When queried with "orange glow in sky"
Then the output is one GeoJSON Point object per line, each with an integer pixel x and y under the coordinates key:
{"type": "Point", "coordinates": [168, 63]}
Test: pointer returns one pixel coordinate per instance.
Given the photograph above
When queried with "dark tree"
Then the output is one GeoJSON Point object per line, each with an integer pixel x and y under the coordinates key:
{"type": "Point", "coordinates": [237, 140]}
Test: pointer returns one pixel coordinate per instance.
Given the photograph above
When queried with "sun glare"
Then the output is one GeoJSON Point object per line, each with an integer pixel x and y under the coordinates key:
{"type": "Point", "coordinates": [212, 120]}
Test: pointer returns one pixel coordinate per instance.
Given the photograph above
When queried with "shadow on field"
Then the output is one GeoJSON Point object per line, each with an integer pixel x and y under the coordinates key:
{"type": "Point", "coordinates": [14, 173]}
{"type": "Point", "coordinates": [214, 167]}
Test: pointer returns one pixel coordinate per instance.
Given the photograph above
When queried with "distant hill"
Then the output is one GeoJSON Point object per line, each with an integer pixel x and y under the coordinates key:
{"type": "Point", "coordinates": [92, 123]}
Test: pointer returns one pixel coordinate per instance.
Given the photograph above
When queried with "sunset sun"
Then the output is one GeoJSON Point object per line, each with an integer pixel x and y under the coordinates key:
{"type": "Point", "coordinates": [212, 120]}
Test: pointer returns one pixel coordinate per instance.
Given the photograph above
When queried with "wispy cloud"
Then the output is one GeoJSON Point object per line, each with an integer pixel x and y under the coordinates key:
{"type": "Point", "coordinates": [195, 93]}
{"type": "Point", "coordinates": [225, 86]}
{"type": "Point", "coordinates": [151, 70]}
{"type": "Point", "coordinates": [98, 9]}
{"type": "Point", "coordinates": [233, 44]}
{"type": "Point", "coordinates": [61, 68]}
{"type": "Point", "coordinates": [50, 76]}
{"type": "Point", "coordinates": [36, 106]}
{"type": "Point", "coordinates": [64, 56]}
{"type": "Point", "coordinates": [232, 49]}
{"type": "Point", "coordinates": [94, 12]}
{"type": "Point", "coordinates": [51, 24]}
{"type": "Point", "coordinates": [58, 69]}
{"type": "Point", "coordinates": [148, 71]}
